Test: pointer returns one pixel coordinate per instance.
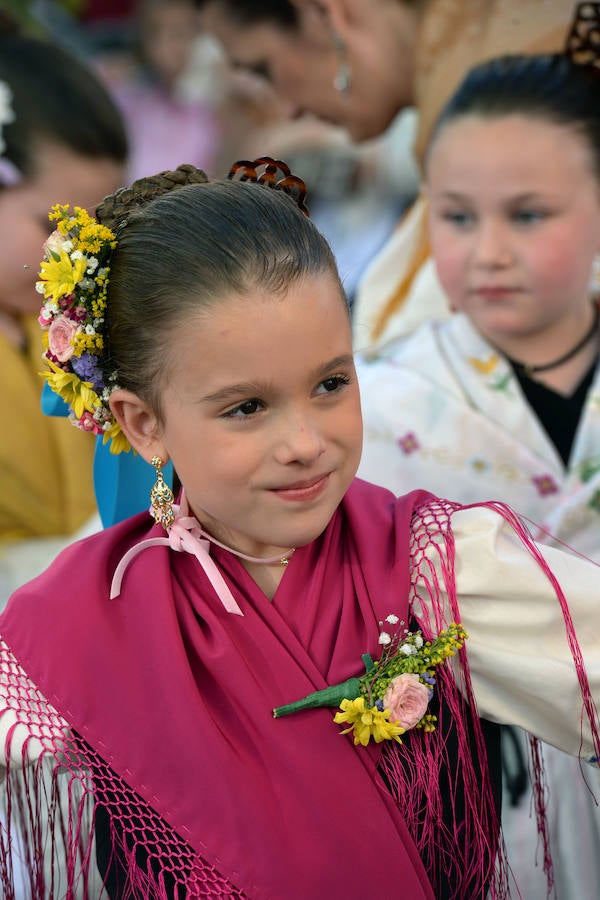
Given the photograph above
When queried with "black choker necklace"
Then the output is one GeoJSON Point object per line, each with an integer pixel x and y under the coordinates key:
{"type": "Point", "coordinates": [532, 370]}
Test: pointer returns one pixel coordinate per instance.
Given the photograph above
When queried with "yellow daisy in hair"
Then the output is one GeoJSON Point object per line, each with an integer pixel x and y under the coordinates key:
{"type": "Point", "coordinates": [77, 394]}
{"type": "Point", "coordinates": [367, 722]}
{"type": "Point", "coordinates": [118, 441]}
{"type": "Point", "coordinates": [60, 274]}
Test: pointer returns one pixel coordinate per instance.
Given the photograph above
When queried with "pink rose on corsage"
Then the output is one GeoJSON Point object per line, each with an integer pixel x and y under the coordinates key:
{"type": "Point", "coordinates": [407, 699]}
{"type": "Point", "coordinates": [61, 337]}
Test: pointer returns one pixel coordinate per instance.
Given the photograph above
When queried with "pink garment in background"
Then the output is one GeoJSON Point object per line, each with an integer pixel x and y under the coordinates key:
{"type": "Point", "coordinates": [164, 131]}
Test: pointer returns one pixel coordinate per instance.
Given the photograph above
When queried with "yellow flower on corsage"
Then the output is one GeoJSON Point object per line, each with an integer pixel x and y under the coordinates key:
{"type": "Point", "coordinates": [394, 693]}
{"type": "Point", "coordinates": [367, 722]}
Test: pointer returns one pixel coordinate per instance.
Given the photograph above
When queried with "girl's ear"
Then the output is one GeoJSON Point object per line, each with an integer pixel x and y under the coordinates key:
{"type": "Point", "coordinates": [139, 424]}
{"type": "Point", "coordinates": [328, 15]}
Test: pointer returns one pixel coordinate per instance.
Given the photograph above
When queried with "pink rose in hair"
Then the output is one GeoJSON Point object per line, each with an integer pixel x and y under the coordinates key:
{"type": "Point", "coordinates": [407, 700]}
{"type": "Point", "coordinates": [53, 244]}
{"type": "Point", "coordinates": [61, 338]}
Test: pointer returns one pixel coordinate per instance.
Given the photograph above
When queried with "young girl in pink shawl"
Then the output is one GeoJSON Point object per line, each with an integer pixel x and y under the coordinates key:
{"type": "Point", "coordinates": [204, 324]}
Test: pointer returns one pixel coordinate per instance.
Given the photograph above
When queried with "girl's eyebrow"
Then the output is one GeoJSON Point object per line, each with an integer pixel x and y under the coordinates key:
{"type": "Point", "coordinates": [244, 388]}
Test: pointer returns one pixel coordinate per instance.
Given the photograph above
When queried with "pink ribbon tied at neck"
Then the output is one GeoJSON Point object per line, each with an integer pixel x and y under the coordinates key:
{"type": "Point", "coordinates": [185, 535]}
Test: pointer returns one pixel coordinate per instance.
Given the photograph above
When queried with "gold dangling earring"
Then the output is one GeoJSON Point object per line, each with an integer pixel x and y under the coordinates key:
{"type": "Point", "coordinates": [161, 497]}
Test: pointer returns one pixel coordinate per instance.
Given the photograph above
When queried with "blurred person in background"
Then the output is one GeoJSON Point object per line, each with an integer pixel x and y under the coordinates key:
{"type": "Point", "coordinates": [357, 63]}
{"type": "Point", "coordinates": [167, 120]}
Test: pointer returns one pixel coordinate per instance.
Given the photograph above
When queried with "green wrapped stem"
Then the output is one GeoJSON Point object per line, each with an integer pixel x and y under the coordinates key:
{"type": "Point", "coordinates": [329, 696]}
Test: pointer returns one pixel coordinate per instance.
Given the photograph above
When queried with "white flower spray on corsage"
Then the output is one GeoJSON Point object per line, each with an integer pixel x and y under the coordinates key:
{"type": "Point", "coordinates": [73, 281]}
{"type": "Point", "coordinates": [394, 693]}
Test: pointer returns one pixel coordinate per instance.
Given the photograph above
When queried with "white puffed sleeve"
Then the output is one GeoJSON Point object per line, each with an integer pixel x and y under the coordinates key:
{"type": "Point", "coordinates": [520, 661]}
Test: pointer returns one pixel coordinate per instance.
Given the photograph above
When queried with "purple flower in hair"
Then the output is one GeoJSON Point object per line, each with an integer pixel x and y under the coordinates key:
{"type": "Point", "coordinates": [86, 366]}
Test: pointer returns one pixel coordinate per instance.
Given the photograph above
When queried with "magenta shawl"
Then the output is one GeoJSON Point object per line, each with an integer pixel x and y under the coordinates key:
{"type": "Point", "coordinates": [174, 697]}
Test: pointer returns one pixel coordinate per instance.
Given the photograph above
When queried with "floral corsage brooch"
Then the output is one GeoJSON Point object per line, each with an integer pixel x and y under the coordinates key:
{"type": "Point", "coordinates": [394, 693]}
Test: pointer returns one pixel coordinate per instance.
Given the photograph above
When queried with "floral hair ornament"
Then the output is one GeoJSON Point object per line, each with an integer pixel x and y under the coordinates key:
{"type": "Point", "coordinates": [9, 174]}
{"type": "Point", "coordinates": [265, 170]}
{"type": "Point", "coordinates": [393, 695]}
{"type": "Point", "coordinates": [73, 281]}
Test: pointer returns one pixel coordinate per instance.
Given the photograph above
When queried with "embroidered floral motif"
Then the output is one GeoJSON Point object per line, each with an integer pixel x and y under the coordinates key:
{"type": "Point", "coordinates": [484, 366]}
{"type": "Point", "coordinates": [408, 443]}
{"type": "Point", "coordinates": [479, 464]}
{"type": "Point", "coordinates": [545, 485]}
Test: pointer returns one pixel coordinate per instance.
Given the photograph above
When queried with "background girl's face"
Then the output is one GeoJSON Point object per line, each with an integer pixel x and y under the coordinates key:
{"type": "Point", "coordinates": [62, 177]}
{"type": "Point", "coordinates": [262, 415]}
{"type": "Point", "coordinates": [514, 226]}
{"type": "Point", "coordinates": [301, 64]}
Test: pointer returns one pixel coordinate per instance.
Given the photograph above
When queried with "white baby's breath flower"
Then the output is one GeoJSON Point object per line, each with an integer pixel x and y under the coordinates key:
{"type": "Point", "coordinates": [418, 641]}
{"type": "Point", "coordinates": [40, 287]}
{"type": "Point", "coordinates": [76, 254]}
{"type": "Point", "coordinates": [92, 265]}
{"type": "Point", "coordinates": [67, 246]}
{"type": "Point", "coordinates": [384, 638]}
{"type": "Point", "coordinates": [408, 650]}
{"type": "Point", "coordinates": [87, 284]}
{"type": "Point", "coordinates": [392, 619]}
{"type": "Point", "coordinates": [89, 329]}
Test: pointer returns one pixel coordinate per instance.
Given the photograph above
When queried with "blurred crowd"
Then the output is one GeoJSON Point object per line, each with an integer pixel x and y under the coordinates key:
{"type": "Point", "coordinates": [182, 103]}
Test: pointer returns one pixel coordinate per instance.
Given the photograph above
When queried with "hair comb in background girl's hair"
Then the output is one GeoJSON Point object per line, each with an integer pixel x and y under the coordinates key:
{"type": "Point", "coordinates": [245, 170]}
{"type": "Point", "coordinates": [583, 41]}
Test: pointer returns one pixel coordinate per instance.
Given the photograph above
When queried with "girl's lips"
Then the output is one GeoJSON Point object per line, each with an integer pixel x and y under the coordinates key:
{"type": "Point", "coordinates": [303, 490]}
{"type": "Point", "coordinates": [499, 292]}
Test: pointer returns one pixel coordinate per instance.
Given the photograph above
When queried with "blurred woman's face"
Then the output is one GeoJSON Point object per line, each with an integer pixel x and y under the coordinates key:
{"type": "Point", "coordinates": [61, 177]}
{"type": "Point", "coordinates": [169, 33]}
{"type": "Point", "coordinates": [301, 63]}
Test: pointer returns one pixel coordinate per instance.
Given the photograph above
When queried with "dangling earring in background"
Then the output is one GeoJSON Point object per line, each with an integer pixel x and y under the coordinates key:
{"type": "Point", "coordinates": [343, 77]}
{"type": "Point", "coordinates": [161, 497]}
{"type": "Point", "coordinates": [595, 277]}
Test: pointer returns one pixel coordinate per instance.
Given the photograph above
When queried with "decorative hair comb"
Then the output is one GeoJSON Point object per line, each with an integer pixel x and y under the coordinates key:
{"type": "Point", "coordinates": [583, 41]}
{"type": "Point", "coordinates": [264, 170]}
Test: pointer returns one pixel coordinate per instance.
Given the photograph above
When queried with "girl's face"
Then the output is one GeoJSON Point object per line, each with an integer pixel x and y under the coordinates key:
{"type": "Point", "coordinates": [301, 64]}
{"type": "Point", "coordinates": [262, 415]}
{"type": "Point", "coordinates": [62, 177]}
{"type": "Point", "coordinates": [514, 227]}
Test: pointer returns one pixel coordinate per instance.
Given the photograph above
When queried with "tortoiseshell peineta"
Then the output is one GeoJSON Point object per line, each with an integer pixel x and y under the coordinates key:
{"type": "Point", "coordinates": [583, 42]}
{"type": "Point", "coordinates": [266, 170]}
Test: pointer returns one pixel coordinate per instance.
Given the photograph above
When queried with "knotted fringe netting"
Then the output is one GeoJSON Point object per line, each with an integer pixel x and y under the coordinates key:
{"type": "Point", "coordinates": [443, 786]}
{"type": "Point", "coordinates": [55, 787]}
